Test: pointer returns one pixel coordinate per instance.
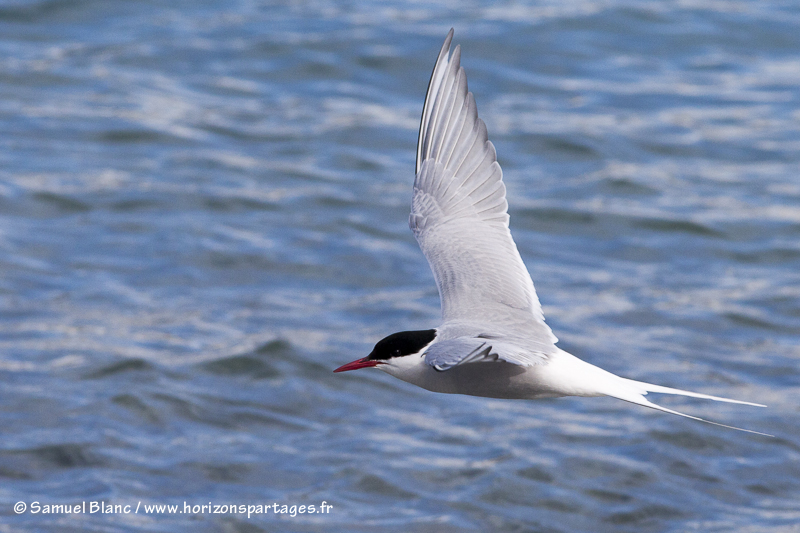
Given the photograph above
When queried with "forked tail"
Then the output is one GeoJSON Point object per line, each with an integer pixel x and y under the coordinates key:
{"type": "Point", "coordinates": [571, 376]}
{"type": "Point", "coordinates": [635, 392]}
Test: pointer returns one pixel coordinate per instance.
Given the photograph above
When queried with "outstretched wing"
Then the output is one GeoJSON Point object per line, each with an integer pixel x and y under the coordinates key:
{"type": "Point", "coordinates": [459, 214]}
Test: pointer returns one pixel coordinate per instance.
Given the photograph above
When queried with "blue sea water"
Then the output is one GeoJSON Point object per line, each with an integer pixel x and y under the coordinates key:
{"type": "Point", "coordinates": [203, 212]}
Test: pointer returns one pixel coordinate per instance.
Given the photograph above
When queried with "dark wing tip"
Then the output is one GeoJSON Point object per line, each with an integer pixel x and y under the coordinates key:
{"type": "Point", "coordinates": [449, 38]}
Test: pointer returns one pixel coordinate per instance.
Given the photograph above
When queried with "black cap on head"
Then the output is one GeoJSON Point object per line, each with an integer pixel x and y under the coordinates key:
{"type": "Point", "coordinates": [400, 344]}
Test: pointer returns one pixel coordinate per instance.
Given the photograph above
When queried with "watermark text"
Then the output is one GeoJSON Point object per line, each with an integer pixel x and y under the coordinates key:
{"type": "Point", "coordinates": [243, 509]}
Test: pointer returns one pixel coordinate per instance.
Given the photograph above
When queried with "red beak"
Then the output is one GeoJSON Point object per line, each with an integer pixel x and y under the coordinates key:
{"type": "Point", "coordinates": [355, 365]}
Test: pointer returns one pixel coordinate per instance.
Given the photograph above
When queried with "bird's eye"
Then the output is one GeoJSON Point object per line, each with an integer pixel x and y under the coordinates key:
{"type": "Point", "coordinates": [396, 352]}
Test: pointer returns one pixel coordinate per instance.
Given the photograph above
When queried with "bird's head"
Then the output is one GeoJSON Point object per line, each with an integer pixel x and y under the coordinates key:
{"type": "Point", "coordinates": [390, 348]}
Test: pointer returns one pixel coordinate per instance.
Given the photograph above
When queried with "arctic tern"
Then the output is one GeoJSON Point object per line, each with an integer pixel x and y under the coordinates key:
{"type": "Point", "coordinates": [493, 340]}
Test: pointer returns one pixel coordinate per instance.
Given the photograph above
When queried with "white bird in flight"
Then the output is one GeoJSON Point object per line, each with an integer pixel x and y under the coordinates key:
{"type": "Point", "coordinates": [493, 340]}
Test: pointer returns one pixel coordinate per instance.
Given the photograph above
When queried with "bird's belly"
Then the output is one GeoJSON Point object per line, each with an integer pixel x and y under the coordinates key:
{"type": "Point", "coordinates": [491, 380]}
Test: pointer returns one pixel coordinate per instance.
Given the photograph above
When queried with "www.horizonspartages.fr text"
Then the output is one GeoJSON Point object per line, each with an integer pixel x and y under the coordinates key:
{"type": "Point", "coordinates": [101, 507]}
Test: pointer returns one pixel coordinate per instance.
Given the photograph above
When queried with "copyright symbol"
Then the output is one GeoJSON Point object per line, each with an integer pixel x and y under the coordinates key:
{"type": "Point", "coordinates": [20, 507]}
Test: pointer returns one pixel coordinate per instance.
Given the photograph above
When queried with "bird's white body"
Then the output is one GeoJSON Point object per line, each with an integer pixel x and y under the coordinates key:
{"type": "Point", "coordinates": [563, 375]}
{"type": "Point", "coordinates": [493, 341]}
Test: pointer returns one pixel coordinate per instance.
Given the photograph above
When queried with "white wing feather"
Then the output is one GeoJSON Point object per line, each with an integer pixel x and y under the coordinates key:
{"type": "Point", "coordinates": [459, 217]}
